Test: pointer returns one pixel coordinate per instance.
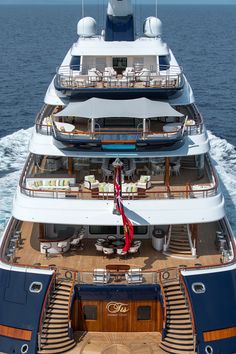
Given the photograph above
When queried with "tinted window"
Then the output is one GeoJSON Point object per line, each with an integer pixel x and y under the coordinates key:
{"type": "Point", "coordinates": [144, 313]}
{"type": "Point", "coordinates": [75, 63]}
{"type": "Point", "coordinates": [164, 62]}
{"type": "Point", "coordinates": [138, 230]}
{"type": "Point", "coordinates": [90, 312]}
{"type": "Point", "coordinates": [102, 230]}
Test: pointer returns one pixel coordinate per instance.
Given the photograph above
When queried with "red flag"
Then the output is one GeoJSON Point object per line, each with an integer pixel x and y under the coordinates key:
{"type": "Point", "coordinates": [127, 224]}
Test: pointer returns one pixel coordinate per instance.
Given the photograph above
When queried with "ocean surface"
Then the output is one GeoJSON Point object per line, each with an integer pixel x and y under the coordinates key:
{"type": "Point", "coordinates": [34, 40]}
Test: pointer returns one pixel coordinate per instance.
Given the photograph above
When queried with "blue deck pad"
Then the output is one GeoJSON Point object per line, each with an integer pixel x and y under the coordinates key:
{"type": "Point", "coordinates": [118, 147]}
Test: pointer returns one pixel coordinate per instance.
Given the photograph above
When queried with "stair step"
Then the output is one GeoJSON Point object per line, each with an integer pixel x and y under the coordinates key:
{"type": "Point", "coordinates": [55, 316]}
{"type": "Point", "coordinates": [57, 349]}
{"type": "Point", "coordinates": [55, 300]}
{"type": "Point", "coordinates": [52, 310]}
{"type": "Point", "coordinates": [175, 302]}
{"type": "Point", "coordinates": [50, 340]}
{"type": "Point", "coordinates": [173, 287]}
{"type": "Point", "coordinates": [179, 243]}
{"type": "Point", "coordinates": [179, 251]}
{"type": "Point", "coordinates": [170, 284]}
{"type": "Point", "coordinates": [50, 320]}
{"type": "Point", "coordinates": [180, 312]}
{"type": "Point", "coordinates": [174, 320]}
{"type": "Point", "coordinates": [174, 351]}
{"type": "Point", "coordinates": [181, 336]}
{"type": "Point", "coordinates": [57, 306]}
{"type": "Point", "coordinates": [178, 341]}
{"type": "Point", "coordinates": [172, 292]}
{"type": "Point", "coordinates": [181, 326]}
{"type": "Point", "coordinates": [176, 307]}
{"type": "Point", "coordinates": [179, 331]}
{"type": "Point", "coordinates": [55, 335]}
{"type": "Point", "coordinates": [55, 330]}
{"type": "Point", "coordinates": [61, 292]}
{"type": "Point", "coordinates": [184, 348]}
{"type": "Point", "coordinates": [63, 287]}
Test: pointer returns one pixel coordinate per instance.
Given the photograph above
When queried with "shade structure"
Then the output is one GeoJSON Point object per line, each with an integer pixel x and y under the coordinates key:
{"type": "Point", "coordinates": [102, 108]}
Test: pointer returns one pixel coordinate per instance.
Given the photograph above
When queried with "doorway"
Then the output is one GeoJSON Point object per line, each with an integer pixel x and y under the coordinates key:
{"type": "Point", "coordinates": [119, 64]}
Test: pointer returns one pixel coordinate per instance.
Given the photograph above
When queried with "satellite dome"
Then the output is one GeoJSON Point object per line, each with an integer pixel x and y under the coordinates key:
{"type": "Point", "coordinates": [86, 27]}
{"type": "Point", "coordinates": [152, 27]}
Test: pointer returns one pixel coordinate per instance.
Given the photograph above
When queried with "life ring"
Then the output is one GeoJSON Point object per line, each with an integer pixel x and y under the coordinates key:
{"type": "Point", "coordinates": [68, 275]}
{"type": "Point", "coordinates": [165, 275]}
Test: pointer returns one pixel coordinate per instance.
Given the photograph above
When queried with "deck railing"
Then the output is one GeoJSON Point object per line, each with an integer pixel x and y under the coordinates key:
{"type": "Point", "coordinates": [45, 306]}
{"type": "Point", "coordinates": [164, 77]}
{"type": "Point", "coordinates": [188, 191]}
{"type": "Point", "coordinates": [190, 308]}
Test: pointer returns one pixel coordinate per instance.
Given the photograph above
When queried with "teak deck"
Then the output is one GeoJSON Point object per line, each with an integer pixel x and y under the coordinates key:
{"type": "Point", "coordinates": [87, 259]}
{"type": "Point", "coordinates": [122, 343]}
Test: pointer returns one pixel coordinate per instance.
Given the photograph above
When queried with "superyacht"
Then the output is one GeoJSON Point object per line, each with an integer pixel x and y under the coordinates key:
{"type": "Point", "coordinates": [118, 240]}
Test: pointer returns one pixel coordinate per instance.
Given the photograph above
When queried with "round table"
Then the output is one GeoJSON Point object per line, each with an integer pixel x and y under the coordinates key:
{"type": "Point", "coordinates": [172, 127]}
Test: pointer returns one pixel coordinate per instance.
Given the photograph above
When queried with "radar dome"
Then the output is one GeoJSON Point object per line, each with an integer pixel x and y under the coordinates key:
{"type": "Point", "coordinates": [152, 27]}
{"type": "Point", "coordinates": [86, 27]}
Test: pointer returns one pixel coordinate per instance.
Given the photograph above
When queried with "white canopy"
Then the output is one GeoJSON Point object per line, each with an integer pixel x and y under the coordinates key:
{"type": "Point", "coordinates": [102, 108]}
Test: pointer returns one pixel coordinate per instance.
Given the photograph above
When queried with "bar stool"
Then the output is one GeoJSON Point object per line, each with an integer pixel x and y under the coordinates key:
{"type": "Point", "coordinates": [46, 248]}
{"type": "Point", "coordinates": [10, 255]}
{"type": "Point", "coordinates": [62, 245]}
{"type": "Point", "coordinates": [15, 239]}
{"type": "Point", "coordinates": [18, 234]}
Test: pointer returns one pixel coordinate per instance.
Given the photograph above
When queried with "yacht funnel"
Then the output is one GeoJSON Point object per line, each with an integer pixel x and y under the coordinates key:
{"type": "Point", "coordinates": [119, 8]}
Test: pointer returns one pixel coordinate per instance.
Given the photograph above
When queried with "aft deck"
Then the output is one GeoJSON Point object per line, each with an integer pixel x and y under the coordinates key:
{"type": "Point", "coordinates": [86, 258]}
{"type": "Point", "coordinates": [122, 343]}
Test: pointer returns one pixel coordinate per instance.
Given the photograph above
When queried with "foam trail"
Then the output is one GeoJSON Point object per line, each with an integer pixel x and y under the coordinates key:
{"type": "Point", "coordinates": [13, 152]}
{"type": "Point", "coordinates": [224, 156]}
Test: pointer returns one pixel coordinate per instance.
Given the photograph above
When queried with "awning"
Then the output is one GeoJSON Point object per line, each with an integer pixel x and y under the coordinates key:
{"type": "Point", "coordinates": [102, 108]}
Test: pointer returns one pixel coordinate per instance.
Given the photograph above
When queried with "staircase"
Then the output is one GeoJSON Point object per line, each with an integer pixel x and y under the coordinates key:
{"type": "Point", "coordinates": [55, 336]}
{"type": "Point", "coordinates": [179, 337]}
{"type": "Point", "coordinates": [179, 245]}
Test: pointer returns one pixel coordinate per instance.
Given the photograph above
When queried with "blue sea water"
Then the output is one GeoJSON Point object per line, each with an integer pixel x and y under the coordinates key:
{"type": "Point", "coordinates": [34, 40]}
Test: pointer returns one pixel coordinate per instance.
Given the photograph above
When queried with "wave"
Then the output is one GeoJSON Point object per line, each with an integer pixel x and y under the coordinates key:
{"type": "Point", "coordinates": [13, 153]}
{"type": "Point", "coordinates": [14, 150]}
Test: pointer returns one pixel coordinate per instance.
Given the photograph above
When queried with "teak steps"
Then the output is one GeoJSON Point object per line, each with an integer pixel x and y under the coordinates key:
{"type": "Point", "coordinates": [179, 337]}
{"type": "Point", "coordinates": [55, 336]}
{"type": "Point", "coordinates": [179, 243]}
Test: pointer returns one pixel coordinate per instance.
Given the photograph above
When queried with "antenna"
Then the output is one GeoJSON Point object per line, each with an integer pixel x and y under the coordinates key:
{"type": "Point", "coordinates": [82, 4]}
{"type": "Point", "coordinates": [156, 8]}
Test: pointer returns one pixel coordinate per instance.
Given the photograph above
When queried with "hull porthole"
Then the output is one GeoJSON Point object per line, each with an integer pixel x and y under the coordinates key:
{"type": "Point", "coordinates": [24, 349]}
{"type": "Point", "coordinates": [209, 350]}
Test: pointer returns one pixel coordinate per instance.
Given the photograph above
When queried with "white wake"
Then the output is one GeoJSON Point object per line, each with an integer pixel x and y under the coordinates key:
{"type": "Point", "coordinates": [13, 152]}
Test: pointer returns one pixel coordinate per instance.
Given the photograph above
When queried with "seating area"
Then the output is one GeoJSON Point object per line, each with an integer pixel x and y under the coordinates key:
{"type": "Point", "coordinates": [130, 77]}
{"type": "Point", "coordinates": [106, 188]}
{"type": "Point", "coordinates": [113, 247]}
{"type": "Point", "coordinates": [117, 273]}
